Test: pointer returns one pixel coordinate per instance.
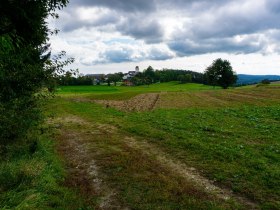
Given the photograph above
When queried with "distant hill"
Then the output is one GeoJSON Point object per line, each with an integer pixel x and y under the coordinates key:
{"type": "Point", "coordinates": [252, 79]}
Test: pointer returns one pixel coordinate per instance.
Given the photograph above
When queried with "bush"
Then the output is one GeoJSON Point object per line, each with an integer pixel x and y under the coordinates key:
{"type": "Point", "coordinates": [20, 79]}
{"type": "Point", "coordinates": [265, 82]}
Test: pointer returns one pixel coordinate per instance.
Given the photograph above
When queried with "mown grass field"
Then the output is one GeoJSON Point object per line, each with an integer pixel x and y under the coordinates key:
{"type": "Point", "coordinates": [125, 92]}
{"type": "Point", "coordinates": [230, 136]}
{"type": "Point", "coordinates": [196, 148]}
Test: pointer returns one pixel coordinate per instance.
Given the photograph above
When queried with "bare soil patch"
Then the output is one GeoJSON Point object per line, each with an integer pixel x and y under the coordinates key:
{"type": "Point", "coordinates": [142, 102]}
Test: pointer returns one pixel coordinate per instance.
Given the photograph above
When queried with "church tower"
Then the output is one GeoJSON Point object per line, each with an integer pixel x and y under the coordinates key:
{"type": "Point", "coordinates": [137, 69]}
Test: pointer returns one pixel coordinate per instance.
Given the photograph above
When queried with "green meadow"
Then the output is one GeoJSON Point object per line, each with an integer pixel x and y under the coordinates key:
{"type": "Point", "coordinates": [198, 147]}
{"type": "Point", "coordinates": [125, 92]}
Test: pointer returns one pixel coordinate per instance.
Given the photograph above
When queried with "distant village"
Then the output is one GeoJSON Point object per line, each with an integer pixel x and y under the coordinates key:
{"type": "Point", "coordinates": [125, 78]}
{"type": "Point", "coordinates": [133, 78]}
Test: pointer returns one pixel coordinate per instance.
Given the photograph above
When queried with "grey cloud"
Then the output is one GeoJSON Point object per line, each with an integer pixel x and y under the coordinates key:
{"type": "Point", "coordinates": [273, 5]}
{"type": "Point", "coordinates": [224, 27]}
{"type": "Point", "coordinates": [142, 28]}
{"type": "Point", "coordinates": [196, 5]}
{"type": "Point", "coordinates": [216, 34]}
{"type": "Point", "coordinates": [86, 63]}
{"type": "Point", "coordinates": [117, 55]}
{"type": "Point", "coordinates": [157, 54]}
{"type": "Point", "coordinates": [128, 54]}
{"type": "Point", "coordinates": [144, 24]}
{"type": "Point", "coordinates": [133, 19]}
{"type": "Point", "coordinates": [229, 45]}
{"type": "Point", "coordinates": [72, 20]}
{"type": "Point", "coordinates": [228, 24]}
{"type": "Point", "coordinates": [123, 5]}
{"type": "Point", "coordinates": [211, 27]}
{"type": "Point", "coordinates": [274, 35]}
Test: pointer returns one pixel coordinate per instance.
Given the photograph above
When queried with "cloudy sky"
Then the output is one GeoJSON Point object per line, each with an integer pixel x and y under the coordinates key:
{"type": "Point", "coordinates": [116, 35]}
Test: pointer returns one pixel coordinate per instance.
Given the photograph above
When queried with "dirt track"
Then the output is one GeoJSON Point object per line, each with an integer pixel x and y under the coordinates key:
{"type": "Point", "coordinates": [82, 168]}
{"type": "Point", "coordinates": [84, 172]}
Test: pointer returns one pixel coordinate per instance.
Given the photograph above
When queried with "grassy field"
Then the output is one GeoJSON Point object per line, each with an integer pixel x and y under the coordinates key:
{"type": "Point", "coordinates": [230, 137]}
{"type": "Point", "coordinates": [194, 147]}
{"type": "Point", "coordinates": [125, 92]}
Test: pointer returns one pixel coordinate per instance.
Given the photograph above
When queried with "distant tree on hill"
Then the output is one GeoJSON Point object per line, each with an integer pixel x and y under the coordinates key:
{"type": "Point", "coordinates": [73, 79]}
{"type": "Point", "coordinates": [220, 73]}
{"type": "Point", "coordinates": [117, 77]}
{"type": "Point", "coordinates": [149, 75]}
{"type": "Point", "coordinates": [265, 81]}
{"type": "Point", "coordinates": [185, 78]}
{"type": "Point", "coordinates": [138, 79]}
{"type": "Point", "coordinates": [167, 75]}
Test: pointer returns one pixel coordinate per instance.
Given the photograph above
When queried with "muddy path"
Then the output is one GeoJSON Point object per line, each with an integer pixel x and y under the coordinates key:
{"type": "Point", "coordinates": [86, 146]}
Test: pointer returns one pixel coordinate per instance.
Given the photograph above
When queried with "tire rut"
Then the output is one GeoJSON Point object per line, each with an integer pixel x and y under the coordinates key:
{"type": "Point", "coordinates": [189, 173]}
{"type": "Point", "coordinates": [82, 168]}
{"type": "Point", "coordinates": [81, 163]}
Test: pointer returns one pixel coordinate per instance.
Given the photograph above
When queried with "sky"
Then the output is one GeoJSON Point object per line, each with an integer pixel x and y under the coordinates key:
{"type": "Point", "coordinates": [106, 36]}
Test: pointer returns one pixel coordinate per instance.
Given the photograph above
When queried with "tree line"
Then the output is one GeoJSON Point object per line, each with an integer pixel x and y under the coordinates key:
{"type": "Point", "coordinates": [70, 79]}
{"type": "Point", "coordinates": [219, 73]}
{"type": "Point", "coordinates": [148, 76]}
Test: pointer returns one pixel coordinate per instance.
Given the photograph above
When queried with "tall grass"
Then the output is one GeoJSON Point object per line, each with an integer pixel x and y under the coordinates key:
{"type": "Point", "coordinates": [32, 176]}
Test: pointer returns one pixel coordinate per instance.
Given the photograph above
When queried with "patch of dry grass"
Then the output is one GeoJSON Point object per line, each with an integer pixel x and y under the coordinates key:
{"type": "Point", "coordinates": [221, 98]}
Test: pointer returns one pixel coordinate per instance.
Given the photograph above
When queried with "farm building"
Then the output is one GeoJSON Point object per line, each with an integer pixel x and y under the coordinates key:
{"type": "Point", "coordinates": [96, 78]}
{"type": "Point", "coordinates": [128, 76]}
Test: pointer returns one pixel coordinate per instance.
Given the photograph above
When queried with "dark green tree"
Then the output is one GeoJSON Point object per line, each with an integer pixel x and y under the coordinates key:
{"type": "Point", "coordinates": [149, 75]}
{"type": "Point", "coordinates": [138, 79]}
{"type": "Point", "coordinates": [25, 64]}
{"type": "Point", "coordinates": [265, 82]}
{"type": "Point", "coordinates": [114, 78]}
{"type": "Point", "coordinates": [220, 73]}
{"type": "Point", "coordinates": [185, 78]}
